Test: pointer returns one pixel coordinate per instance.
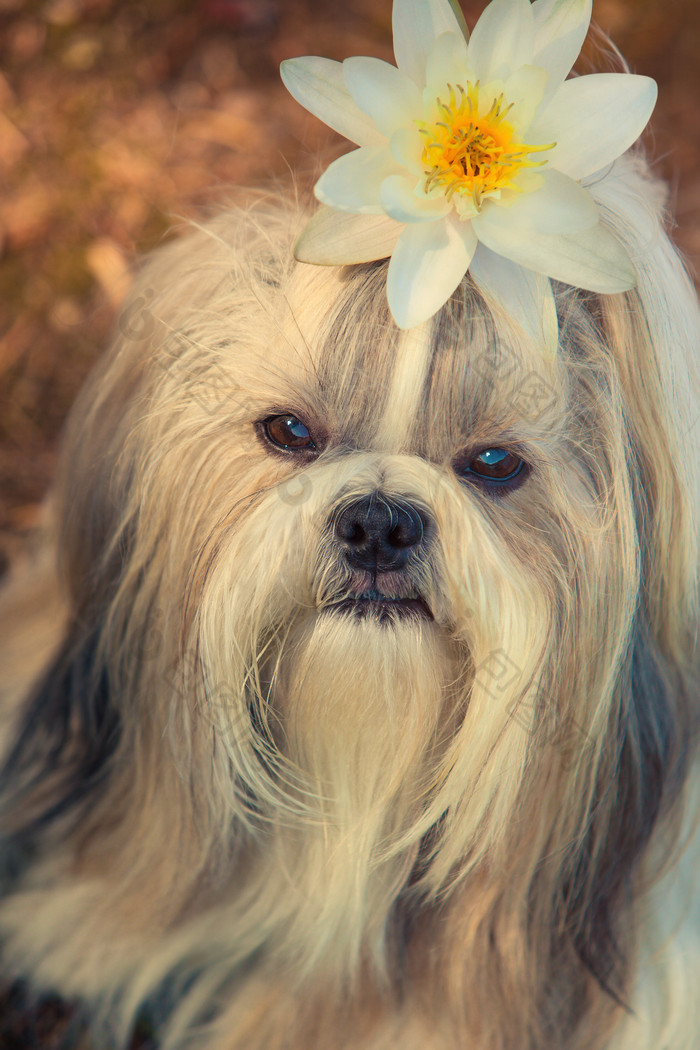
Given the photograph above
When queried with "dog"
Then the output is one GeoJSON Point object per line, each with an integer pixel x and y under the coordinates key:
{"type": "Point", "coordinates": [351, 700]}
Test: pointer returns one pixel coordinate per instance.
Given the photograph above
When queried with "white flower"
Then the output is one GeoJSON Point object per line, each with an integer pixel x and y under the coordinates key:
{"type": "Point", "coordinates": [471, 156]}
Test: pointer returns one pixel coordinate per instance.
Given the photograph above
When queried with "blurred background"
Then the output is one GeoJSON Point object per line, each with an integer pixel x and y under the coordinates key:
{"type": "Point", "coordinates": [119, 118]}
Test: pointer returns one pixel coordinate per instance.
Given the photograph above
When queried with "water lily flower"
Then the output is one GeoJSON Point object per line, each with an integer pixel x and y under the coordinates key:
{"type": "Point", "coordinates": [473, 154]}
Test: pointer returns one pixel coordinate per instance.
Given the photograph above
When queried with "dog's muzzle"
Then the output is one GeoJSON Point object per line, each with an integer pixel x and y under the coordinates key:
{"type": "Point", "coordinates": [379, 538]}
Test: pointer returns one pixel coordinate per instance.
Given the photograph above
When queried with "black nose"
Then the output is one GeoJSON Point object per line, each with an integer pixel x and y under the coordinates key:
{"type": "Point", "coordinates": [379, 534]}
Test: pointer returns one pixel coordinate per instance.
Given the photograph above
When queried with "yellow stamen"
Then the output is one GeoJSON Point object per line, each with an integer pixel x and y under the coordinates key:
{"type": "Point", "coordinates": [473, 155]}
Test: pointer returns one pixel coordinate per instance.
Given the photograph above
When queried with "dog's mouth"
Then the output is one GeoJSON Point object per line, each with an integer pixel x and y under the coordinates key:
{"type": "Point", "coordinates": [381, 606]}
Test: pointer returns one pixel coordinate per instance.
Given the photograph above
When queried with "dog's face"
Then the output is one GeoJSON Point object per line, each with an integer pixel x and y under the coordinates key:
{"type": "Point", "coordinates": [402, 519]}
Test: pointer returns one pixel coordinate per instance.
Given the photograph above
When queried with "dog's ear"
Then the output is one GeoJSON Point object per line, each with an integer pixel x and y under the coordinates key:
{"type": "Point", "coordinates": [186, 295]}
{"type": "Point", "coordinates": [66, 737]}
{"type": "Point", "coordinates": [93, 480]}
{"type": "Point", "coordinates": [68, 728]}
{"type": "Point", "coordinates": [639, 782]}
{"type": "Point", "coordinates": [652, 333]}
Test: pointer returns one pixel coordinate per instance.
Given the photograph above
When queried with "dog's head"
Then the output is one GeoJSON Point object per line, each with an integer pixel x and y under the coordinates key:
{"type": "Point", "coordinates": [413, 606]}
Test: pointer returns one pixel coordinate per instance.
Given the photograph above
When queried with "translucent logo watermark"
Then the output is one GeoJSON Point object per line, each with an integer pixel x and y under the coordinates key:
{"type": "Point", "coordinates": [529, 393]}
{"type": "Point", "coordinates": [497, 675]}
{"type": "Point", "coordinates": [136, 321]}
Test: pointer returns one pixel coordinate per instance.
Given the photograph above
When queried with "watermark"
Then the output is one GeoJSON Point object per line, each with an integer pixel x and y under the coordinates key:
{"type": "Point", "coordinates": [186, 681]}
{"type": "Point", "coordinates": [497, 674]}
{"type": "Point", "coordinates": [209, 386]}
{"type": "Point", "coordinates": [295, 490]}
{"type": "Point", "coordinates": [136, 321]}
{"type": "Point", "coordinates": [692, 426]}
{"type": "Point", "coordinates": [497, 359]}
{"type": "Point", "coordinates": [534, 397]}
{"type": "Point", "coordinates": [203, 380]}
{"type": "Point", "coordinates": [528, 392]}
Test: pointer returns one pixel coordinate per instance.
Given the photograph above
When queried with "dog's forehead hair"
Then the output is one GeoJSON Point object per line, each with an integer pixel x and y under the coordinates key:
{"type": "Point", "coordinates": [428, 390]}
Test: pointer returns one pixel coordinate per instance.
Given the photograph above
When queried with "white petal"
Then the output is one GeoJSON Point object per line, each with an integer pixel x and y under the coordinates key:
{"type": "Point", "coordinates": [407, 147]}
{"type": "Point", "coordinates": [530, 180]}
{"type": "Point", "coordinates": [524, 295]}
{"type": "Point", "coordinates": [594, 119]}
{"type": "Point", "coordinates": [559, 206]}
{"type": "Point", "coordinates": [352, 182]}
{"type": "Point", "coordinates": [427, 264]}
{"type": "Point", "coordinates": [560, 30]}
{"type": "Point", "coordinates": [525, 90]}
{"type": "Point", "coordinates": [503, 39]}
{"type": "Point", "coordinates": [447, 63]}
{"type": "Point", "coordinates": [592, 259]}
{"type": "Point", "coordinates": [401, 203]}
{"type": "Point", "coordinates": [417, 25]}
{"type": "Point", "coordinates": [382, 91]}
{"type": "Point", "coordinates": [333, 238]}
{"type": "Point", "coordinates": [318, 84]}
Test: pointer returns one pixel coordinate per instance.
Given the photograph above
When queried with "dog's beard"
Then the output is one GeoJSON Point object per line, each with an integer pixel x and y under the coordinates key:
{"type": "Point", "coordinates": [361, 703]}
{"type": "Point", "coordinates": [364, 715]}
{"type": "Point", "coordinates": [352, 719]}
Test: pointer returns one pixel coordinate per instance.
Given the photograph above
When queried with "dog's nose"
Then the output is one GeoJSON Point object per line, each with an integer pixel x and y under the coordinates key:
{"type": "Point", "coordinates": [379, 534]}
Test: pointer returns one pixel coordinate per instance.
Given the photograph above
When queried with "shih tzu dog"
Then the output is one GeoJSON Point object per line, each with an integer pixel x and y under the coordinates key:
{"type": "Point", "coordinates": [353, 704]}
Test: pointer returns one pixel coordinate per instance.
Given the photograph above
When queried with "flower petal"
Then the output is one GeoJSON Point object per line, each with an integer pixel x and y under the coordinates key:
{"type": "Point", "coordinates": [417, 24]}
{"type": "Point", "coordinates": [503, 39]}
{"type": "Point", "coordinates": [333, 238]}
{"type": "Point", "coordinates": [525, 89]}
{"type": "Point", "coordinates": [593, 259]}
{"type": "Point", "coordinates": [427, 264]}
{"type": "Point", "coordinates": [560, 30]}
{"type": "Point", "coordinates": [524, 295]}
{"type": "Point", "coordinates": [447, 63]}
{"type": "Point", "coordinates": [407, 147]}
{"type": "Point", "coordinates": [559, 206]}
{"type": "Point", "coordinates": [318, 84]}
{"type": "Point", "coordinates": [353, 181]}
{"type": "Point", "coordinates": [382, 91]}
{"type": "Point", "coordinates": [401, 203]}
{"type": "Point", "coordinates": [594, 119]}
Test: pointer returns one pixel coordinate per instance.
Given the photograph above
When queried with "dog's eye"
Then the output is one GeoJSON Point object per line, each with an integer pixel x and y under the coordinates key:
{"type": "Point", "coordinates": [496, 463]}
{"type": "Point", "coordinates": [499, 468]}
{"type": "Point", "coordinates": [288, 432]}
